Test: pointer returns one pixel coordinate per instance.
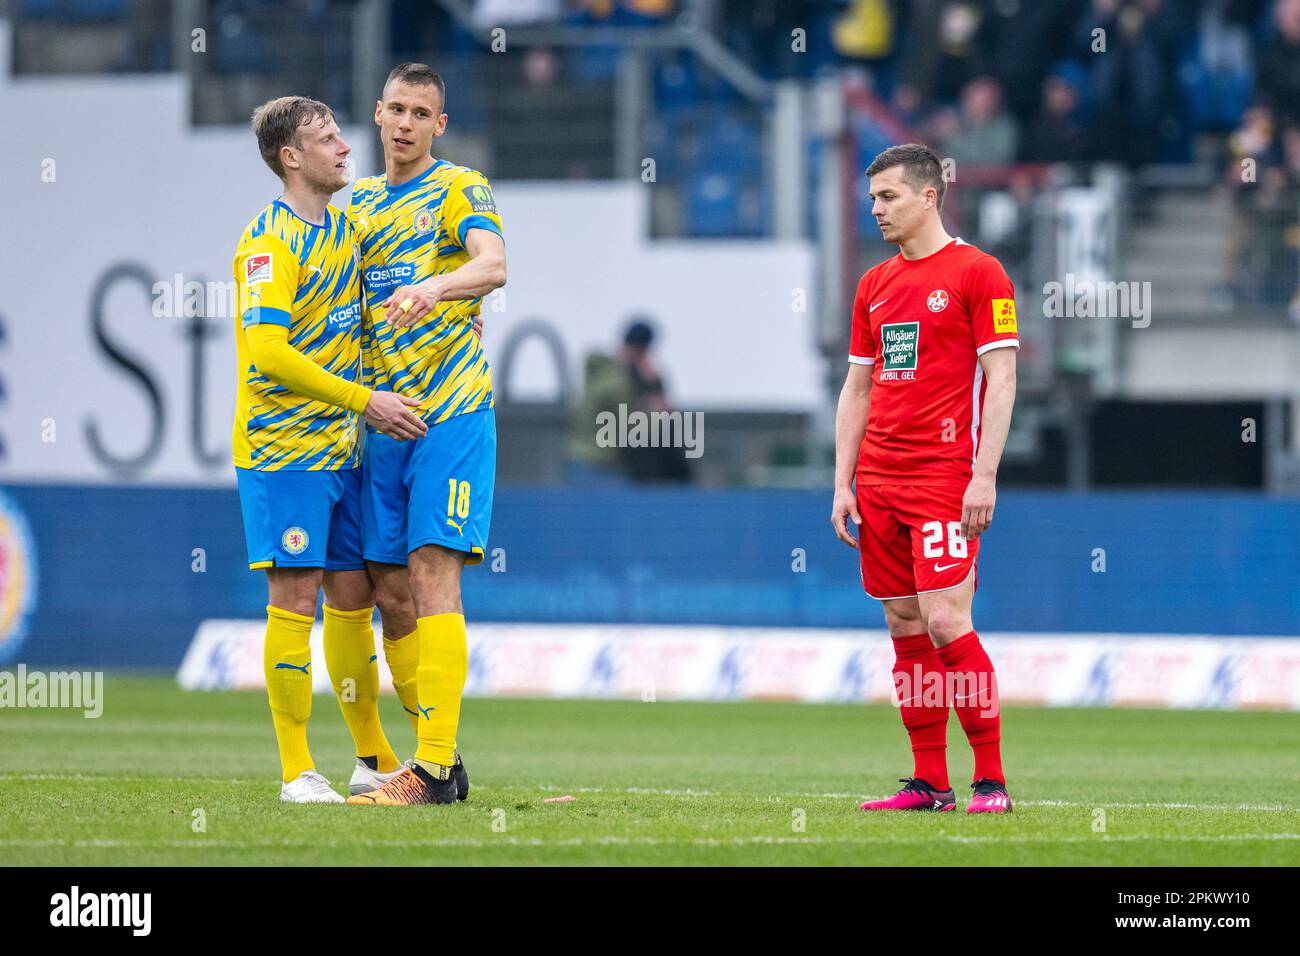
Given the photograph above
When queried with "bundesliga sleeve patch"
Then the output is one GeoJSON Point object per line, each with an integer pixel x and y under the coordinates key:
{"type": "Point", "coordinates": [480, 199]}
{"type": "Point", "coordinates": [1004, 315]}
{"type": "Point", "coordinates": [257, 269]}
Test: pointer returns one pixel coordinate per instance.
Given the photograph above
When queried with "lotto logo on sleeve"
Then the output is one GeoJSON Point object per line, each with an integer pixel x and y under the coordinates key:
{"type": "Point", "coordinates": [1004, 315]}
{"type": "Point", "coordinates": [898, 345]}
{"type": "Point", "coordinates": [258, 269]}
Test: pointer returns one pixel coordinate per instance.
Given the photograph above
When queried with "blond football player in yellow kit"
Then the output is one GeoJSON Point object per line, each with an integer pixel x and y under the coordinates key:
{"type": "Point", "coordinates": [299, 395]}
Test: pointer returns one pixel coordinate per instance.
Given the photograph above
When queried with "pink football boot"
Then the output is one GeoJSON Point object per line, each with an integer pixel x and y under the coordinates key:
{"type": "Point", "coordinates": [917, 795]}
{"type": "Point", "coordinates": [990, 797]}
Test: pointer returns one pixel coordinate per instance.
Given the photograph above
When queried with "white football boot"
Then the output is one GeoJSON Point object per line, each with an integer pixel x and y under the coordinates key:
{"type": "Point", "coordinates": [309, 787]}
{"type": "Point", "coordinates": [365, 780]}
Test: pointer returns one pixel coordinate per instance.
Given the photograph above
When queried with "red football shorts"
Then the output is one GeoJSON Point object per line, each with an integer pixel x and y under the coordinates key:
{"type": "Point", "coordinates": [910, 540]}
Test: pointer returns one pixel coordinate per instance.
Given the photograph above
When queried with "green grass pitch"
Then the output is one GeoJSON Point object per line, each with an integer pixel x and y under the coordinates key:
{"type": "Point", "coordinates": [655, 783]}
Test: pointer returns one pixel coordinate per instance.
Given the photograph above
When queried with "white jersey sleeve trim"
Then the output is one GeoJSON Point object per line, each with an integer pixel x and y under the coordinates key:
{"type": "Point", "coordinates": [861, 360]}
{"type": "Point", "coordinates": [999, 344]}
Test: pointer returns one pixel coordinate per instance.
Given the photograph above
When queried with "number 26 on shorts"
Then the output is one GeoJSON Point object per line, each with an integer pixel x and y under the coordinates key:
{"type": "Point", "coordinates": [934, 535]}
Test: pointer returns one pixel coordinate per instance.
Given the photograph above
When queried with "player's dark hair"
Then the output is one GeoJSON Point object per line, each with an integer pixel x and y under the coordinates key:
{"type": "Point", "coordinates": [921, 167]}
{"type": "Point", "coordinates": [639, 334]}
{"type": "Point", "coordinates": [278, 123]}
{"type": "Point", "coordinates": [419, 74]}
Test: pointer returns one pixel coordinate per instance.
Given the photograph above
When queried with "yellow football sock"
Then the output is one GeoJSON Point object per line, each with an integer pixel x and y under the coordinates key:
{"type": "Point", "coordinates": [440, 676]}
{"type": "Point", "coordinates": [286, 660]}
{"type": "Point", "coordinates": [403, 656]}
{"type": "Point", "coordinates": [350, 659]}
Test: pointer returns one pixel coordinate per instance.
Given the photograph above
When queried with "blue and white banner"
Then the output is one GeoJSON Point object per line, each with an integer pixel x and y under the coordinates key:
{"type": "Point", "coordinates": [810, 665]}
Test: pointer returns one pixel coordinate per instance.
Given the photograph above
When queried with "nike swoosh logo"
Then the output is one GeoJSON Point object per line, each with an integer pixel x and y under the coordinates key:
{"type": "Point", "coordinates": [945, 567]}
{"type": "Point", "coordinates": [877, 305]}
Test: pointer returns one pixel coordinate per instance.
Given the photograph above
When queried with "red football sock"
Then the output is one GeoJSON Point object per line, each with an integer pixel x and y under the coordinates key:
{"type": "Point", "coordinates": [974, 686]}
{"type": "Point", "coordinates": [924, 707]}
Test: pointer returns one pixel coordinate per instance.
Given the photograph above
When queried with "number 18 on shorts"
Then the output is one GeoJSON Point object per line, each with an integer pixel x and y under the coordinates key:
{"type": "Point", "coordinates": [910, 540]}
{"type": "Point", "coordinates": [435, 490]}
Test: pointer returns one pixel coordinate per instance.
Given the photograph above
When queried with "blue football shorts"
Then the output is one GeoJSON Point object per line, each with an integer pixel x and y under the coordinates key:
{"type": "Point", "coordinates": [302, 519]}
{"type": "Point", "coordinates": [432, 490]}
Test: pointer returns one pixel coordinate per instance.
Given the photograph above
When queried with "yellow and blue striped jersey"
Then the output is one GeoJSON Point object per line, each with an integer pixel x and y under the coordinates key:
{"type": "Point", "coordinates": [305, 277]}
{"type": "Point", "coordinates": [409, 233]}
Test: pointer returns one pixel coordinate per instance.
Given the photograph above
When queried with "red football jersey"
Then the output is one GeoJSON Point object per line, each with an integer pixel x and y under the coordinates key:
{"type": "Point", "coordinates": [923, 324]}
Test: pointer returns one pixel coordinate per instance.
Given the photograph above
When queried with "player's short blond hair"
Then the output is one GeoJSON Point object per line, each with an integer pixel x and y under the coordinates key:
{"type": "Point", "coordinates": [278, 123]}
{"type": "Point", "coordinates": [921, 167]}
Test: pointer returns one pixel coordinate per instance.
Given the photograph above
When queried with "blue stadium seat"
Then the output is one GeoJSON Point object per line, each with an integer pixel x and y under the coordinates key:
{"type": "Point", "coordinates": [40, 9]}
{"type": "Point", "coordinates": [1212, 100]}
{"type": "Point", "coordinates": [722, 206]}
{"type": "Point", "coordinates": [676, 86]}
{"type": "Point", "coordinates": [732, 144]}
{"type": "Point", "coordinates": [98, 9]}
{"type": "Point", "coordinates": [595, 64]}
{"type": "Point", "coordinates": [241, 48]}
{"type": "Point", "coordinates": [673, 147]}
{"type": "Point", "coordinates": [712, 205]}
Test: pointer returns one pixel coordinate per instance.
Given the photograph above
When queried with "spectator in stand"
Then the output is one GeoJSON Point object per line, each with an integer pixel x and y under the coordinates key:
{"type": "Point", "coordinates": [762, 33]}
{"type": "Point", "coordinates": [1019, 40]}
{"type": "Point", "coordinates": [1251, 180]}
{"type": "Point", "coordinates": [984, 133]}
{"type": "Point", "coordinates": [1134, 81]}
{"type": "Point", "coordinates": [623, 12]}
{"type": "Point", "coordinates": [1277, 63]}
{"type": "Point", "coordinates": [865, 30]}
{"type": "Point", "coordinates": [1291, 203]}
{"type": "Point", "coordinates": [1059, 134]}
{"type": "Point", "coordinates": [939, 55]}
{"type": "Point", "coordinates": [630, 378]}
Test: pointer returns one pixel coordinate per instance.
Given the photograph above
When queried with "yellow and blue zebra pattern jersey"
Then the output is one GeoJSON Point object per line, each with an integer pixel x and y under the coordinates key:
{"type": "Point", "coordinates": [305, 277]}
{"type": "Point", "coordinates": [410, 233]}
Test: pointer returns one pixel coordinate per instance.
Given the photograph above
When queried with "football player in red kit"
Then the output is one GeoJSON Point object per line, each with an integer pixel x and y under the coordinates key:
{"type": "Point", "coordinates": [919, 431]}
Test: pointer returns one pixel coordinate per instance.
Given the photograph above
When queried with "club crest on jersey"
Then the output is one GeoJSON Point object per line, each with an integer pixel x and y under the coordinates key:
{"type": "Point", "coordinates": [938, 300]}
{"type": "Point", "coordinates": [423, 221]}
{"type": "Point", "coordinates": [294, 540]}
{"type": "Point", "coordinates": [480, 199]}
{"type": "Point", "coordinates": [257, 269]}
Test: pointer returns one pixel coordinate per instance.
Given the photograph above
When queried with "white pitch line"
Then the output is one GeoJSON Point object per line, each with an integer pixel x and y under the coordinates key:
{"type": "Point", "coordinates": [93, 777]}
{"type": "Point", "coordinates": [754, 840]}
{"type": "Point", "coordinates": [1102, 804]}
{"type": "Point", "coordinates": [692, 793]}
{"type": "Point", "coordinates": [858, 796]}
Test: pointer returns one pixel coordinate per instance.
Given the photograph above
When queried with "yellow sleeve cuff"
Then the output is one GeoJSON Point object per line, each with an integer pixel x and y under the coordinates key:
{"type": "Point", "coordinates": [359, 398]}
